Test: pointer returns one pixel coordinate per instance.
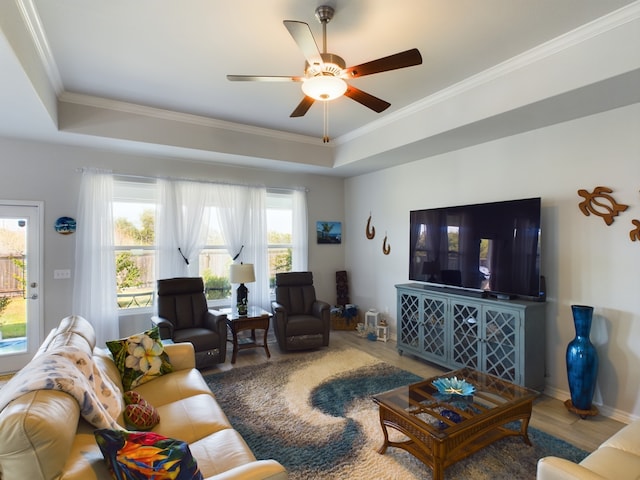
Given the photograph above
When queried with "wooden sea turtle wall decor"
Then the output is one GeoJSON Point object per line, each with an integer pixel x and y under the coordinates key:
{"type": "Point", "coordinates": [635, 233]}
{"type": "Point", "coordinates": [600, 203]}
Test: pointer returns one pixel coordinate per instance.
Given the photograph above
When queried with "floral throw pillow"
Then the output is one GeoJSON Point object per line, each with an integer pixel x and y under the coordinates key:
{"type": "Point", "coordinates": [140, 358]}
{"type": "Point", "coordinates": [146, 455]}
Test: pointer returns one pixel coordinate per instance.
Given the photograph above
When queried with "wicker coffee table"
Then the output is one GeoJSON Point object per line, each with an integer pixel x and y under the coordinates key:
{"type": "Point", "coordinates": [442, 429]}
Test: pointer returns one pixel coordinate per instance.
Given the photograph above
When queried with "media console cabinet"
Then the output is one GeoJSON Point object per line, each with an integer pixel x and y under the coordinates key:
{"type": "Point", "coordinates": [505, 338]}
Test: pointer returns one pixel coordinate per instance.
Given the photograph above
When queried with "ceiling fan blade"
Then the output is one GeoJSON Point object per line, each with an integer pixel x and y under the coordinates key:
{"type": "Point", "coordinates": [302, 35]}
{"type": "Point", "coordinates": [374, 103]}
{"type": "Point", "coordinates": [262, 78]}
{"type": "Point", "coordinates": [303, 107]}
{"type": "Point", "coordinates": [404, 59]}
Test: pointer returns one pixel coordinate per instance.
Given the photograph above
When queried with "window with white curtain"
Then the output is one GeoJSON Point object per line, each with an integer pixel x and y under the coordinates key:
{"type": "Point", "coordinates": [134, 211]}
{"type": "Point", "coordinates": [134, 208]}
{"type": "Point", "coordinates": [279, 233]}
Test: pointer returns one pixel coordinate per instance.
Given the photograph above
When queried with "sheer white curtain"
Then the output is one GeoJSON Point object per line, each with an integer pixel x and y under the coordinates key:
{"type": "Point", "coordinates": [183, 223]}
{"type": "Point", "coordinates": [258, 247]}
{"type": "Point", "coordinates": [94, 284]}
{"type": "Point", "coordinates": [300, 253]}
{"type": "Point", "coordinates": [243, 221]}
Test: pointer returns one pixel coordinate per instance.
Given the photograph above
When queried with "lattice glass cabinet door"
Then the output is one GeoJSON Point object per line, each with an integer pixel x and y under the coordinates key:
{"type": "Point", "coordinates": [466, 334]}
{"type": "Point", "coordinates": [409, 313]}
{"type": "Point", "coordinates": [434, 326]}
{"type": "Point", "coordinates": [500, 344]}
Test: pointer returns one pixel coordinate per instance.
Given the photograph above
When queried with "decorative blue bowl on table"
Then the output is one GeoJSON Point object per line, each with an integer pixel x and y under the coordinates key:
{"type": "Point", "coordinates": [454, 386]}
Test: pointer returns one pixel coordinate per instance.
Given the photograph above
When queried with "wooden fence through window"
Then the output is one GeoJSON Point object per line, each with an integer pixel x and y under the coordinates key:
{"type": "Point", "coordinates": [12, 276]}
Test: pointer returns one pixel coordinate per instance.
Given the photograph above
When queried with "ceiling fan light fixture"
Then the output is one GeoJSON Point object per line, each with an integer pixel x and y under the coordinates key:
{"type": "Point", "coordinates": [324, 87]}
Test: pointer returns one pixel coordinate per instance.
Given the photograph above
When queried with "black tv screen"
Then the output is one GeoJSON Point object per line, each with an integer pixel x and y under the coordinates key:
{"type": "Point", "coordinates": [487, 247]}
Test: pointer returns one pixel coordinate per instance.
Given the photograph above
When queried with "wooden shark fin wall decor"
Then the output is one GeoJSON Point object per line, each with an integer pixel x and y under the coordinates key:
{"type": "Point", "coordinates": [370, 231]}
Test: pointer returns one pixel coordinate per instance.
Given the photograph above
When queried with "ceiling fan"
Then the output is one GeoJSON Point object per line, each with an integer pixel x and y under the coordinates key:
{"type": "Point", "coordinates": [325, 74]}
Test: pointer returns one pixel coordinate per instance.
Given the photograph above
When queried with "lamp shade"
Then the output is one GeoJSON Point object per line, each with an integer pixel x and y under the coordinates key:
{"type": "Point", "coordinates": [324, 87]}
{"type": "Point", "coordinates": [242, 273]}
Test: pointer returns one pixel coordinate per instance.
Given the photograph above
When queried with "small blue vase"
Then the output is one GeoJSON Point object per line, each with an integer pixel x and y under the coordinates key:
{"type": "Point", "coordinates": [582, 360]}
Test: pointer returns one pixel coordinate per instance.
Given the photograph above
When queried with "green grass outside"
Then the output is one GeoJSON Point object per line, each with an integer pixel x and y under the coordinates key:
{"type": "Point", "coordinates": [12, 321]}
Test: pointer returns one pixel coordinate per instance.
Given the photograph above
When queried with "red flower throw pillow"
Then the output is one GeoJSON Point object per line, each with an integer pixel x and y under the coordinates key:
{"type": "Point", "coordinates": [146, 455]}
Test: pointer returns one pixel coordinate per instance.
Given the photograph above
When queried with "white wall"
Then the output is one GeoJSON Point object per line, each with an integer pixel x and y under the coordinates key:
{"type": "Point", "coordinates": [37, 171]}
{"type": "Point", "coordinates": [584, 260]}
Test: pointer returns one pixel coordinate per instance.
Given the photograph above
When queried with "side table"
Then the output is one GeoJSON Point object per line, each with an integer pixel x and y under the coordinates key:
{"type": "Point", "coordinates": [255, 319]}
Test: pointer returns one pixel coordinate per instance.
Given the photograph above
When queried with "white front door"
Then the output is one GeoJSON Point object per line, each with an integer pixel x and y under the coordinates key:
{"type": "Point", "coordinates": [20, 279]}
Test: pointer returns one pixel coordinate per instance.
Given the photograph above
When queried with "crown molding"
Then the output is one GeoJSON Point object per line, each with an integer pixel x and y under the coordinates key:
{"type": "Point", "coordinates": [36, 31]}
{"type": "Point", "coordinates": [552, 47]}
{"type": "Point", "coordinates": [565, 41]}
{"type": "Point", "coordinates": [34, 26]}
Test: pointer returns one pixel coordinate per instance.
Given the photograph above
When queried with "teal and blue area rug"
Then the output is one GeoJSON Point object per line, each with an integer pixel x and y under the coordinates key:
{"type": "Point", "coordinates": [313, 413]}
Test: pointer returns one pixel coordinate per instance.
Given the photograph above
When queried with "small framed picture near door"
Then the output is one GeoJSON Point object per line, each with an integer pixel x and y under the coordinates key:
{"type": "Point", "coordinates": [329, 232]}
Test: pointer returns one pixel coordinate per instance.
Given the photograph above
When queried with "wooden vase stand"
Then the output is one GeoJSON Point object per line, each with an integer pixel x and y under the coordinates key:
{"type": "Point", "coordinates": [592, 412]}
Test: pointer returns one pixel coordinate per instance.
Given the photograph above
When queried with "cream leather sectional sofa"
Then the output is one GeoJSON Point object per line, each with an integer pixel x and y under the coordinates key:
{"type": "Point", "coordinates": [618, 458]}
{"type": "Point", "coordinates": [43, 436]}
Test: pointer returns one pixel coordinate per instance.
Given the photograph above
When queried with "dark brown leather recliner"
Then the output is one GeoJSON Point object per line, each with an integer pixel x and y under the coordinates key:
{"type": "Point", "coordinates": [300, 321]}
{"type": "Point", "coordinates": [183, 316]}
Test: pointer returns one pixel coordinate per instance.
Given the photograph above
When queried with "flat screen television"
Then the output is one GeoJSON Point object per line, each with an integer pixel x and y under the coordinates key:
{"type": "Point", "coordinates": [490, 248]}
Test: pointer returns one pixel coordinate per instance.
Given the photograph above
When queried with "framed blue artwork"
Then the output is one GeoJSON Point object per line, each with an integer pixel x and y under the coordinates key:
{"type": "Point", "coordinates": [329, 232]}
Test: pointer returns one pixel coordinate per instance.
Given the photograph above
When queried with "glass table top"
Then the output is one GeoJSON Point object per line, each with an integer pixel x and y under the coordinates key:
{"type": "Point", "coordinates": [437, 412]}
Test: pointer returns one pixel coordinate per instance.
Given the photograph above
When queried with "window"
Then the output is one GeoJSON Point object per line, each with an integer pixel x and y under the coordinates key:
{"type": "Point", "coordinates": [279, 233]}
{"type": "Point", "coordinates": [213, 265]}
{"type": "Point", "coordinates": [134, 210]}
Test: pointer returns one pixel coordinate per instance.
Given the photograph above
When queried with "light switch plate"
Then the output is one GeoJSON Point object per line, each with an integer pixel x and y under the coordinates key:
{"type": "Point", "coordinates": [61, 274]}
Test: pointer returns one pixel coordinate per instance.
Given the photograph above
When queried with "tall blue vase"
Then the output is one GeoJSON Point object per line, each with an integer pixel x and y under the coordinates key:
{"type": "Point", "coordinates": [582, 360]}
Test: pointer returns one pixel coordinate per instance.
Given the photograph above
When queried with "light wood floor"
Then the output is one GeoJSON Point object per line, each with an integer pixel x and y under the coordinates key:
{"type": "Point", "coordinates": [549, 414]}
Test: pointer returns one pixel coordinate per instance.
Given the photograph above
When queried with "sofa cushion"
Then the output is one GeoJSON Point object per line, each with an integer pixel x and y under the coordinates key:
{"type": "Point", "coordinates": [192, 418]}
{"type": "Point", "coordinates": [174, 387]}
{"type": "Point", "coordinates": [140, 358]}
{"type": "Point", "coordinates": [144, 455]}
{"type": "Point", "coordinates": [627, 439]}
{"type": "Point", "coordinates": [613, 463]}
{"type": "Point", "coordinates": [103, 359]}
{"type": "Point", "coordinates": [79, 326]}
{"type": "Point", "coordinates": [220, 452]}
{"type": "Point", "coordinates": [38, 430]}
{"type": "Point", "coordinates": [72, 331]}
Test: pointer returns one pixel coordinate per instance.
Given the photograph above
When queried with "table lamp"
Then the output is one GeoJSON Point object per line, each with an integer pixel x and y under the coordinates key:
{"type": "Point", "coordinates": [242, 273]}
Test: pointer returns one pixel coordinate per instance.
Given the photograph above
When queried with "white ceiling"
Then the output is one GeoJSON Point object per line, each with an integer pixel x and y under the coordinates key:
{"type": "Point", "coordinates": [174, 56]}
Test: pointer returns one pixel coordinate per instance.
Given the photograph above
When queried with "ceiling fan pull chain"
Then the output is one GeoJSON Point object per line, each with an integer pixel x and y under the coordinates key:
{"type": "Point", "coordinates": [325, 137]}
